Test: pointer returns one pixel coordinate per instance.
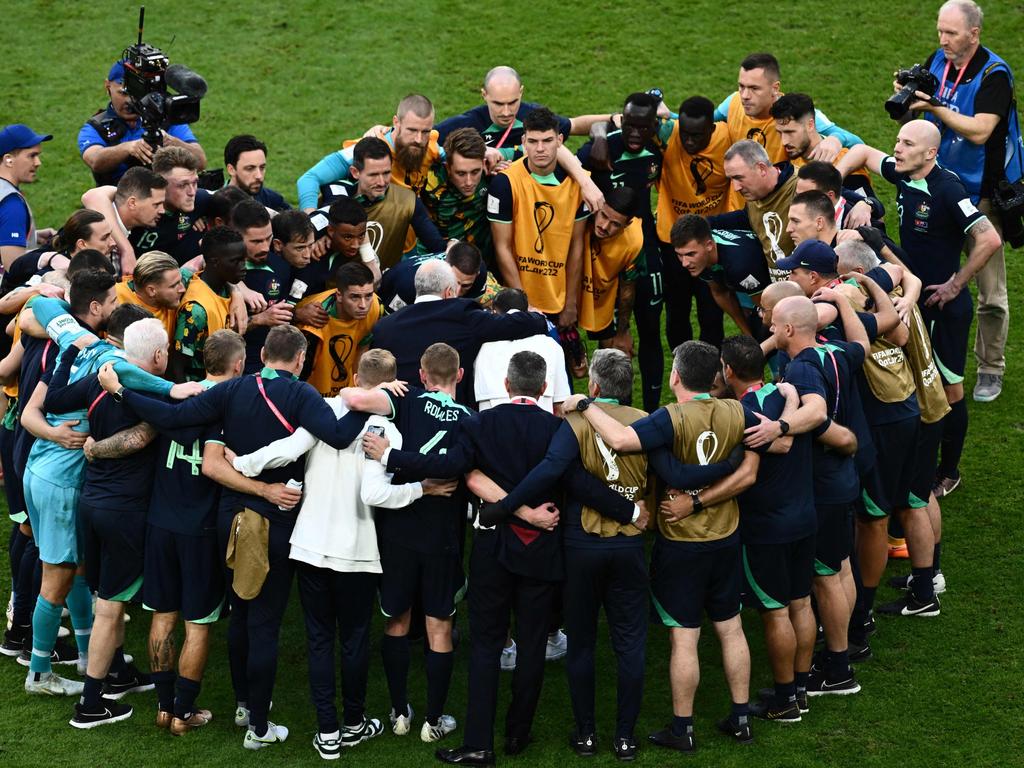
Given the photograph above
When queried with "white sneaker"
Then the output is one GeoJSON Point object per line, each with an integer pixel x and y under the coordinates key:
{"type": "Point", "coordinates": [508, 658]}
{"type": "Point", "coordinates": [241, 713]}
{"type": "Point", "coordinates": [328, 745]}
{"type": "Point", "coordinates": [52, 684]}
{"type": "Point", "coordinates": [401, 724]}
{"type": "Point", "coordinates": [445, 725]}
{"type": "Point", "coordinates": [558, 646]}
{"type": "Point", "coordinates": [275, 735]}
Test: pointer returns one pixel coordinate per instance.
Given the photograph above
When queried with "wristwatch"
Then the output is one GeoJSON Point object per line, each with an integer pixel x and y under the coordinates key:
{"type": "Point", "coordinates": [698, 505]}
{"type": "Point", "coordinates": [119, 394]}
{"type": "Point", "coordinates": [784, 426]}
{"type": "Point", "coordinates": [583, 404]}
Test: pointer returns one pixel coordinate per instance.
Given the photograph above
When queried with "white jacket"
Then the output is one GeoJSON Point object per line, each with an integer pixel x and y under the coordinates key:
{"type": "Point", "coordinates": [334, 528]}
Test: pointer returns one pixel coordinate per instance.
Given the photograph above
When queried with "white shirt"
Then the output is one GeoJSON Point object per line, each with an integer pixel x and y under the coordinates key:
{"type": "Point", "coordinates": [491, 367]}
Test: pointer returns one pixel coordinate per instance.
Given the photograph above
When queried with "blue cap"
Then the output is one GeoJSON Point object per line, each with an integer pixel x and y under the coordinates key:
{"type": "Point", "coordinates": [19, 136]}
{"type": "Point", "coordinates": [813, 255]}
{"type": "Point", "coordinates": [116, 74]}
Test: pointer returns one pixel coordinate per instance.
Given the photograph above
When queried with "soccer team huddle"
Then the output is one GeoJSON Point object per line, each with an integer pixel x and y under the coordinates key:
{"type": "Point", "coordinates": [212, 395]}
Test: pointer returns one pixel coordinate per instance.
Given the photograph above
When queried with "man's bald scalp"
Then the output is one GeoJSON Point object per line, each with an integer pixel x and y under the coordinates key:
{"type": "Point", "coordinates": [776, 292]}
{"type": "Point", "coordinates": [923, 132]}
{"type": "Point", "coordinates": [501, 73]}
{"type": "Point", "coordinates": [797, 311]}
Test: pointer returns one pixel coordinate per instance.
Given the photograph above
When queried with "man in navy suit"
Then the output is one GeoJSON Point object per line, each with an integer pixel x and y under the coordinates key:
{"type": "Point", "coordinates": [440, 316]}
{"type": "Point", "coordinates": [516, 562]}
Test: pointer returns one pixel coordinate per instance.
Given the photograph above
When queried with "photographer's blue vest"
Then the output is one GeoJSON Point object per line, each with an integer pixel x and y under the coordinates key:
{"type": "Point", "coordinates": [963, 157]}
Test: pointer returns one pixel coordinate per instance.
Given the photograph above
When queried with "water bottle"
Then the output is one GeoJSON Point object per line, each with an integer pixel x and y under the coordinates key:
{"type": "Point", "coordinates": [295, 295]}
{"type": "Point", "coordinates": [296, 484]}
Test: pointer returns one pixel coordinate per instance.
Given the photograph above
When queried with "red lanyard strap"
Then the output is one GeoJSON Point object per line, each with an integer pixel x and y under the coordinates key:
{"type": "Point", "coordinates": [95, 402]}
{"type": "Point", "coordinates": [504, 136]}
{"type": "Point", "coordinates": [945, 74]}
{"type": "Point", "coordinates": [272, 407]}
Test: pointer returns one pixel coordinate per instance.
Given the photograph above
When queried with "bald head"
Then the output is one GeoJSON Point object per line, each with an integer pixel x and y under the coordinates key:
{"type": "Point", "coordinates": [797, 311]}
{"type": "Point", "coordinates": [923, 132]}
{"type": "Point", "coordinates": [917, 146]}
{"type": "Point", "coordinates": [503, 94]}
{"type": "Point", "coordinates": [776, 292]}
{"type": "Point", "coordinates": [502, 75]}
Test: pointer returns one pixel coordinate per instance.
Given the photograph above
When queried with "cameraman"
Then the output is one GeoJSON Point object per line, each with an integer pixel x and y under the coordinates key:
{"type": "Point", "coordinates": [974, 110]}
{"type": "Point", "coordinates": [111, 140]}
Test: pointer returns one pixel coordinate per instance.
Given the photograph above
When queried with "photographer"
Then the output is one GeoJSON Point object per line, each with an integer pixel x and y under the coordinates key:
{"type": "Point", "coordinates": [111, 140]}
{"type": "Point", "coordinates": [973, 107]}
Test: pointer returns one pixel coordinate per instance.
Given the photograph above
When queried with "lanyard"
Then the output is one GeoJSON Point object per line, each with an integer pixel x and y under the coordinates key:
{"type": "Point", "coordinates": [504, 136]}
{"type": "Point", "coordinates": [272, 407]}
{"type": "Point", "coordinates": [748, 390]}
{"type": "Point", "coordinates": [835, 369]}
{"type": "Point", "coordinates": [942, 85]}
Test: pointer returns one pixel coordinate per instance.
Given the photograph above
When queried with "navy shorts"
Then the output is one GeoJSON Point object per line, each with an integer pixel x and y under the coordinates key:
{"type": "Point", "coordinates": [689, 579]}
{"type": "Point", "coordinates": [113, 546]}
{"type": "Point", "coordinates": [926, 461]}
{"type": "Point", "coordinates": [950, 332]}
{"type": "Point", "coordinates": [779, 573]}
{"type": "Point", "coordinates": [183, 574]}
{"type": "Point", "coordinates": [437, 579]}
{"type": "Point", "coordinates": [887, 484]}
{"type": "Point", "coordinates": [834, 539]}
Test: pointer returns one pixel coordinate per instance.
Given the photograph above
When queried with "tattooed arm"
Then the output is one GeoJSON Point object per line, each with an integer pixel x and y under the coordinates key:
{"type": "Point", "coordinates": [121, 444]}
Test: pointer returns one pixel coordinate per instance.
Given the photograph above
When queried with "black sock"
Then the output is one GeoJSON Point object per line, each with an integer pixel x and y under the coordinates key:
{"type": "Point", "coordinates": [117, 663]}
{"type": "Point", "coordinates": [785, 694]}
{"type": "Point", "coordinates": [394, 651]}
{"type": "Point", "coordinates": [439, 676]}
{"type": "Point", "coordinates": [185, 693]}
{"type": "Point", "coordinates": [937, 557]}
{"type": "Point", "coordinates": [164, 683]}
{"type": "Point", "coordinates": [740, 713]}
{"type": "Point", "coordinates": [921, 585]}
{"type": "Point", "coordinates": [91, 695]}
{"type": "Point", "coordinates": [680, 725]}
{"type": "Point", "coordinates": [800, 681]}
{"type": "Point", "coordinates": [954, 432]}
{"type": "Point", "coordinates": [837, 665]}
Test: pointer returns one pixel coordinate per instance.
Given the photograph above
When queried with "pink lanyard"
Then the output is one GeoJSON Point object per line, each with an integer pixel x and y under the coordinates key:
{"type": "Point", "coordinates": [273, 408]}
{"type": "Point", "coordinates": [942, 85]}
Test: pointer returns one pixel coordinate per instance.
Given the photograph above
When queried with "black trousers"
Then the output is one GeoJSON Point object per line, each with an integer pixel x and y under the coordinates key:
{"type": "Point", "coordinates": [614, 578]}
{"type": "Point", "coordinates": [254, 628]}
{"type": "Point", "coordinates": [647, 314]}
{"type": "Point", "coordinates": [494, 593]}
{"type": "Point", "coordinates": [337, 605]}
{"type": "Point", "coordinates": [680, 290]}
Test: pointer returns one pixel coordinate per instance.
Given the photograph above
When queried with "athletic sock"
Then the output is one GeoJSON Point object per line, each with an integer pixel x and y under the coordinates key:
{"type": "Point", "coordinates": [785, 694]}
{"type": "Point", "coordinates": [92, 693]}
{"type": "Point", "coordinates": [954, 433]}
{"type": "Point", "coordinates": [680, 725]}
{"type": "Point", "coordinates": [164, 683]}
{"type": "Point", "coordinates": [857, 633]}
{"type": "Point", "coordinates": [837, 665]}
{"type": "Point", "coordinates": [439, 676]}
{"type": "Point", "coordinates": [740, 713]}
{"type": "Point", "coordinates": [117, 662]}
{"type": "Point", "coordinates": [185, 693]}
{"type": "Point", "coordinates": [45, 624]}
{"type": "Point", "coordinates": [394, 652]}
{"type": "Point", "coordinates": [937, 557]}
{"type": "Point", "coordinates": [79, 602]}
{"type": "Point", "coordinates": [921, 585]}
{"type": "Point", "coordinates": [800, 681]}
